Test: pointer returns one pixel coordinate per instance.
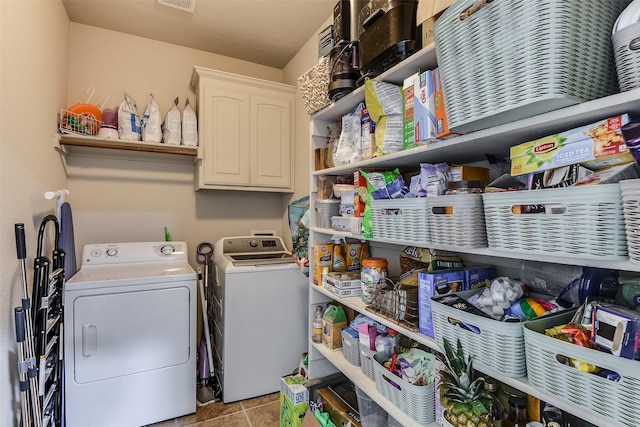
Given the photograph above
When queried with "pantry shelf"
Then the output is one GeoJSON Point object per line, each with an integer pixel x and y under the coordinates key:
{"type": "Point", "coordinates": [97, 146]}
{"type": "Point", "coordinates": [624, 265]}
{"type": "Point", "coordinates": [355, 374]}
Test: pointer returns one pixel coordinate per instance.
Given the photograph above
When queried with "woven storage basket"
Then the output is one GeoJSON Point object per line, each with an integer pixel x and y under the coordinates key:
{"type": "Point", "coordinates": [366, 361]}
{"type": "Point", "coordinates": [325, 209]}
{"type": "Point", "coordinates": [314, 86]}
{"type": "Point", "coordinates": [583, 222]}
{"type": "Point", "coordinates": [499, 345]}
{"type": "Point", "coordinates": [515, 59]}
{"type": "Point", "coordinates": [416, 401]}
{"type": "Point", "coordinates": [631, 206]}
{"type": "Point", "coordinates": [457, 220]}
{"type": "Point", "coordinates": [625, 51]}
{"type": "Point", "coordinates": [351, 349]}
{"type": "Point", "coordinates": [403, 220]}
{"type": "Point", "coordinates": [615, 399]}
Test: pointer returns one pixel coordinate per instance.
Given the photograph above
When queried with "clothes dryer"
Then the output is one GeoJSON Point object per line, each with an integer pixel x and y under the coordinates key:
{"type": "Point", "coordinates": [130, 346]}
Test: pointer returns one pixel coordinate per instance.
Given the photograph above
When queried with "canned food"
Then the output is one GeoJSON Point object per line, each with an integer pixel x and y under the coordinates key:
{"type": "Point", "coordinates": [373, 275]}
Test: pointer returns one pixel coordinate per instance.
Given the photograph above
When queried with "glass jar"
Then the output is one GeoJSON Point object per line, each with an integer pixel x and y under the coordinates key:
{"type": "Point", "coordinates": [517, 412]}
{"type": "Point", "coordinates": [496, 409]}
{"type": "Point", "coordinates": [373, 275]}
{"type": "Point", "coordinates": [465, 187]}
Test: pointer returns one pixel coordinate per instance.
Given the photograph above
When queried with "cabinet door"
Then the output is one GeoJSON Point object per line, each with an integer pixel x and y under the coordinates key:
{"type": "Point", "coordinates": [225, 121]}
{"type": "Point", "coordinates": [271, 137]}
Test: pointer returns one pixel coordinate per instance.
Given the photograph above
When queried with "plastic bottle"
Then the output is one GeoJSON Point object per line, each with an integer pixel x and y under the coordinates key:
{"type": "Point", "coordinates": [339, 261]}
{"type": "Point", "coordinates": [316, 335]}
{"type": "Point", "coordinates": [517, 412]}
{"type": "Point", "coordinates": [496, 410]}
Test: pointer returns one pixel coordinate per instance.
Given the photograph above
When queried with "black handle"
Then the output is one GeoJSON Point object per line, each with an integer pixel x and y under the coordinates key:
{"type": "Point", "coordinates": [374, 16]}
{"type": "Point", "coordinates": [21, 246]}
{"type": "Point", "coordinates": [19, 324]}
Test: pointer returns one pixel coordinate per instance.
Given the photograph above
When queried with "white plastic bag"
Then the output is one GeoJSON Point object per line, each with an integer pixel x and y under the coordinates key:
{"type": "Point", "coordinates": [189, 126]}
{"type": "Point", "coordinates": [129, 127]}
{"type": "Point", "coordinates": [151, 125]}
{"type": "Point", "coordinates": [171, 125]}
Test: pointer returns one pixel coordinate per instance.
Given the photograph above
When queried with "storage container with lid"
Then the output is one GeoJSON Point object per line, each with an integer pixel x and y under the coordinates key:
{"type": "Point", "coordinates": [373, 275]}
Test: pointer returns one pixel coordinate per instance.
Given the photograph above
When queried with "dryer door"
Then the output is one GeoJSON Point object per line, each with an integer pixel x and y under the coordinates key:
{"type": "Point", "coordinates": [124, 333]}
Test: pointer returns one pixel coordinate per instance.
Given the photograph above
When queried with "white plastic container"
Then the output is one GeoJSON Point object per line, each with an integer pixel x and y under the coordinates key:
{"type": "Point", "coordinates": [371, 414]}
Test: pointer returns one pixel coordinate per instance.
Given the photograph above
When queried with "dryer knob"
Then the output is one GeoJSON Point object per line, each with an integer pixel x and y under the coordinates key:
{"type": "Point", "coordinates": [253, 243]}
{"type": "Point", "coordinates": [167, 250]}
{"type": "Point", "coordinates": [112, 252]}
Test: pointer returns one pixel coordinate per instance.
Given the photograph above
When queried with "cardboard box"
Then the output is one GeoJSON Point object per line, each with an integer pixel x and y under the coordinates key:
{"type": "Point", "coordinates": [293, 388]}
{"type": "Point", "coordinates": [556, 178]}
{"type": "Point", "coordinates": [320, 158]}
{"type": "Point", "coordinates": [612, 175]}
{"type": "Point", "coordinates": [291, 415]}
{"type": "Point", "coordinates": [333, 321]}
{"type": "Point", "coordinates": [469, 173]}
{"type": "Point", "coordinates": [310, 420]}
{"type": "Point", "coordinates": [424, 108]}
{"type": "Point", "coordinates": [427, 13]}
{"type": "Point", "coordinates": [442, 125]}
{"type": "Point", "coordinates": [408, 90]}
{"type": "Point", "coordinates": [438, 282]}
{"type": "Point", "coordinates": [596, 146]}
{"type": "Point", "coordinates": [339, 411]}
{"type": "Point", "coordinates": [477, 277]}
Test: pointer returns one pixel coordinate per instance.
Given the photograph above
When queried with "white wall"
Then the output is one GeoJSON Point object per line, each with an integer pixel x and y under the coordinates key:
{"type": "Point", "coordinates": [33, 84]}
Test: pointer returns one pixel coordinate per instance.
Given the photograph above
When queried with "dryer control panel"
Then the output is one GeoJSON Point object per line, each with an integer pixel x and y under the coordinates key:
{"type": "Point", "coordinates": [134, 252]}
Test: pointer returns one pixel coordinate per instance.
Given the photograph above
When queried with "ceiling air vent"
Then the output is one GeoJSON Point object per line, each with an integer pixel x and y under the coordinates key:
{"type": "Point", "coordinates": [184, 5]}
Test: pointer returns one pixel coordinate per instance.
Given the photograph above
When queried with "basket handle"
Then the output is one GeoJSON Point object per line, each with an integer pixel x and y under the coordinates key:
{"type": "Point", "coordinates": [542, 209]}
{"type": "Point", "coordinates": [473, 8]}
{"type": "Point", "coordinates": [566, 362]}
{"type": "Point", "coordinates": [464, 325]}
{"type": "Point", "coordinates": [442, 210]}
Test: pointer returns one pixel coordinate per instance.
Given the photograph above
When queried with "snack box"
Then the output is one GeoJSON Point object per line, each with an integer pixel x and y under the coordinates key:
{"type": "Point", "coordinates": [477, 276]}
{"type": "Point", "coordinates": [596, 146]}
{"type": "Point", "coordinates": [469, 173]}
{"type": "Point", "coordinates": [424, 104]}
{"type": "Point", "coordinates": [344, 280]}
{"type": "Point", "coordinates": [438, 282]}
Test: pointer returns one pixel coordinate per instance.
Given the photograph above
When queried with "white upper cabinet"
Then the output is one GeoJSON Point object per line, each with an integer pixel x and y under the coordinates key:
{"type": "Point", "coordinates": [246, 129]}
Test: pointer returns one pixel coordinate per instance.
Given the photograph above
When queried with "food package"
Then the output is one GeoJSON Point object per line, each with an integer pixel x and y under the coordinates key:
{"type": "Point", "coordinates": [385, 105]}
{"type": "Point", "coordinates": [151, 125]}
{"type": "Point", "coordinates": [129, 126]}
{"type": "Point", "coordinates": [189, 126]}
{"type": "Point", "coordinates": [348, 147]}
{"type": "Point", "coordinates": [171, 129]}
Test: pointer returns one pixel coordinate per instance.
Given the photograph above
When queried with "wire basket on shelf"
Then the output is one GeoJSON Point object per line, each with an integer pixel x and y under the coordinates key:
{"type": "Point", "coordinates": [78, 123]}
{"type": "Point", "coordinates": [397, 302]}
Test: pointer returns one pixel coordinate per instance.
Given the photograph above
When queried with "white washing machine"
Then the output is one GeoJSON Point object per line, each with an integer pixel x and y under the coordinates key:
{"type": "Point", "coordinates": [259, 311]}
{"type": "Point", "coordinates": [130, 346]}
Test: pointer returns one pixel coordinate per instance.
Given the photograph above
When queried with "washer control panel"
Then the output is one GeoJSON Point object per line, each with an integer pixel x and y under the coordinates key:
{"type": "Point", "coordinates": [135, 252]}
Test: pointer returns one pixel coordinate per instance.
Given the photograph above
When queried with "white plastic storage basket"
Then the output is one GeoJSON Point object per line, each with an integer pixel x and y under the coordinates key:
{"type": "Point", "coordinates": [403, 220]}
{"type": "Point", "coordinates": [457, 220]}
{"type": "Point", "coordinates": [366, 361]}
{"type": "Point", "coordinates": [625, 50]}
{"type": "Point", "coordinates": [631, 207]}
{"type": "Point", "coordinates": [325, 209]}
{"type": "Point", "coordinates": [615, 399]}
{"type": "Point", "coordinates": [497, 344]}
{"type": "Point", "coordinates": [350, 349]}
{"type": "Point", "coordinates": [515, 59]}
{"type": "Point", "coordinates": [416, 401]}
{"type": "Point", "coordinates": [583, 222]}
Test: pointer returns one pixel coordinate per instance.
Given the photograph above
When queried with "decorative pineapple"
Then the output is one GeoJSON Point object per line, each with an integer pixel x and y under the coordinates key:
{"type": "Point", "coordinates": [464, 398]}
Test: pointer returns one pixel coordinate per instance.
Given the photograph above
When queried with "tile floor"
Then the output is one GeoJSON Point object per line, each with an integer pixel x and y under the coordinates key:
{"type": "Point", "coordinates": [263, 411]}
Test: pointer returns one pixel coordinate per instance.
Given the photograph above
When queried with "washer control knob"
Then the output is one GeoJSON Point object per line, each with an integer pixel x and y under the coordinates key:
{"type": "Point", "coordinates": [167, 250]}
{"type": "Point", "coordinates": [96, 253]}
{"type": "Point", "coordinates": [112, 252]}
{"type": "Point", "coordinates": [253, 243]}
